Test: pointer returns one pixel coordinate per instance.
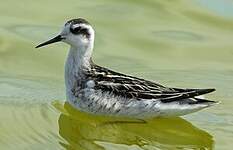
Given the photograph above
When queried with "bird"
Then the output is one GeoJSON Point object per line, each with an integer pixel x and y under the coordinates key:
{"type": "Point", "coordinates": [98, 90]}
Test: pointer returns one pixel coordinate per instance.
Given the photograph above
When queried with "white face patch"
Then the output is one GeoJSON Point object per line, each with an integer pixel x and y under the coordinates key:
{"type": "Point", "coordinates": [78, 40]}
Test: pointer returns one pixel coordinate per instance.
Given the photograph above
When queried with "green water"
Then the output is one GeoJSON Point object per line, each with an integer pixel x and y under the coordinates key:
{"type": "Point", "coordinates": [175, 42]}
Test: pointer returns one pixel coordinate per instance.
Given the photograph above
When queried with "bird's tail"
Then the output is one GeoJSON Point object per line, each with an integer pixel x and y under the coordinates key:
{"type": "Point", "coordinates": [187, 106]}
{"type": "Point", "coordinates": [202, 101]}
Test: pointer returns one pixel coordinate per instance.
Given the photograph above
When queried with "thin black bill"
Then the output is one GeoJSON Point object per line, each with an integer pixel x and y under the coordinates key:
{"type": "Point", "coordinates": [54, 40]}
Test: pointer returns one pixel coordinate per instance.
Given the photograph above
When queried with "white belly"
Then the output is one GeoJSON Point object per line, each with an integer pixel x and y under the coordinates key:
{"type": "Point", "coordinates": [104, 103]}
{"type": "Point", "coordinates": [99, 103]}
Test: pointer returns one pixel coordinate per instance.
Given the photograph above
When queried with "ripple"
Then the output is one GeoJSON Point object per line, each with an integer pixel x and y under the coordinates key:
{"type": "Point", "coordinates": [178, 35]}
{"type": "Point", "coordinates": [33, 32]}
{"type": "Point", "coordinates": [25, 128]}
{"type": "Point", "coordinates": [25, 89]}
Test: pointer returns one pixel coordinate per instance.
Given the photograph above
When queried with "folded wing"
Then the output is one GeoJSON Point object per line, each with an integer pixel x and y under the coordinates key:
{"type": "Point", "coordinates": [140, 89]}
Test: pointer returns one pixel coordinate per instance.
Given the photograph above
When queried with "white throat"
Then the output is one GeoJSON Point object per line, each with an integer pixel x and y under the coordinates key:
{"type": "Point", "coordinates": [78, 60]}
{"type": "Point", "coordinates": [79, 57]}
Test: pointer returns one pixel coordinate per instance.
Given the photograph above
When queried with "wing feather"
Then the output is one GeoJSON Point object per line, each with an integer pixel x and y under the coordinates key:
{"type": "Point", "coordinates": [135, 88]}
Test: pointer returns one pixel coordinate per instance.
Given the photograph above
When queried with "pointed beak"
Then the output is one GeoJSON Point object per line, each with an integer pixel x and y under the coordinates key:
{"type": "Point", "coordinates": [53, 40]}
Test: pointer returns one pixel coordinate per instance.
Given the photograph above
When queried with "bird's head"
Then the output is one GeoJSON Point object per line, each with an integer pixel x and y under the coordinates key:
{"type": "Point", "coordinates": [76, 32]}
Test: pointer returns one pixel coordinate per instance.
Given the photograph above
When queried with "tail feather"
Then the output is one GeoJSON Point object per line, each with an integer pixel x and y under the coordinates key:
{"type": "Point", "coordinates": [204, 101]}
{"type": "Point", "coordinates": [204, 91]}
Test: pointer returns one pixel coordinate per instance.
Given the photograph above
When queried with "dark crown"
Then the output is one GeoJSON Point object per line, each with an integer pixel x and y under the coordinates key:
{"type": "Point", "coordinates": [77, 21]}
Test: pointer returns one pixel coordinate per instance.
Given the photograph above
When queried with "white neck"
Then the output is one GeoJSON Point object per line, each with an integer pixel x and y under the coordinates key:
{"type": "Point", "coordinates": [77, 61]}
{"type": "Point", "coordinates": [79, 57]}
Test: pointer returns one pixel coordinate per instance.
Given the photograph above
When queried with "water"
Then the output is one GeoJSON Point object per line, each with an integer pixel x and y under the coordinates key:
{"type": "Point", "coordinates": [178, 43]}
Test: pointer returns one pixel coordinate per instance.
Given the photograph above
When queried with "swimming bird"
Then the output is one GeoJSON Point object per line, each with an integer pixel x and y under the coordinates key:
{"type": "Point", "coordinates": [101, 91]}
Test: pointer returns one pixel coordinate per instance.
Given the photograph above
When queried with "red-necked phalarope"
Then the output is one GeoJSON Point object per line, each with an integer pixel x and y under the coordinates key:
{"type": "Point", "coordinates": [98, 90]}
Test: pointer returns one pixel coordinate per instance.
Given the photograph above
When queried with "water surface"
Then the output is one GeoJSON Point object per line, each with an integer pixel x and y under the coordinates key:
{"type": "Point", "coordinates": [178, 43]}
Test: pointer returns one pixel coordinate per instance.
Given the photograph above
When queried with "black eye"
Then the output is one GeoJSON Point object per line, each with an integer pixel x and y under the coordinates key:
{"type": "Point", "coordinates": [75, 30]}
{"type": "Point", "coordinates": [84, 31]}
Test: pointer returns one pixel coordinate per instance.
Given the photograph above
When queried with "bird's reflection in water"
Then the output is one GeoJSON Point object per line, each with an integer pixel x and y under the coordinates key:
{"type": "Point", "coordinates": [88, 132]}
